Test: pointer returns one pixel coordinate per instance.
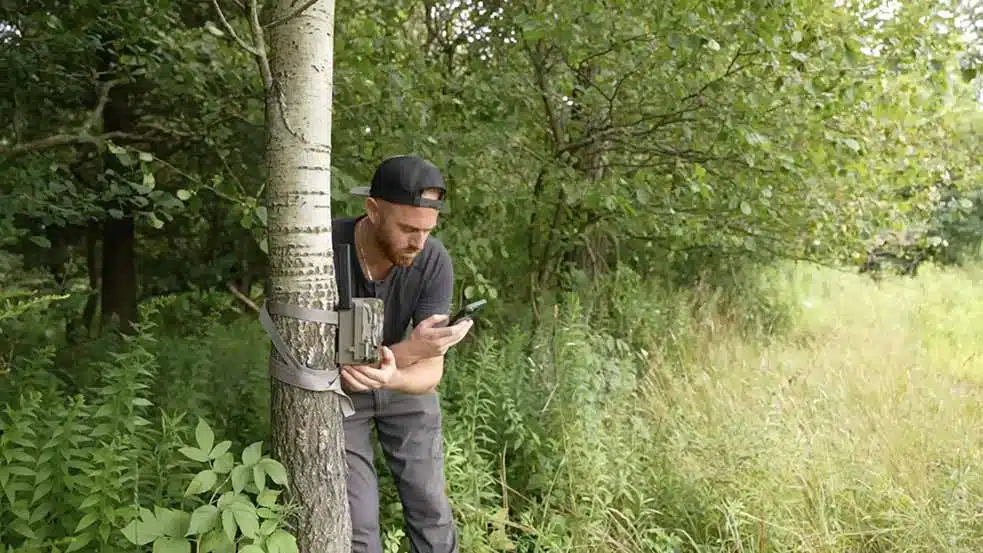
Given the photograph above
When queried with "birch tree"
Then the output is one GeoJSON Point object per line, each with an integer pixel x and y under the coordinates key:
{"type": "Point", "coordinates": [294, 49]}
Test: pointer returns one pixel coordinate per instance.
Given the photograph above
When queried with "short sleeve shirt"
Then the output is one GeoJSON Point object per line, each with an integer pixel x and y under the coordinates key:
{"type": "Point", "coordinates": [411, 294]}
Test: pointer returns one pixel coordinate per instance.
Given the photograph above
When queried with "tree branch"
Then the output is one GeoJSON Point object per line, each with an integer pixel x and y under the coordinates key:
{"type": "Point", "coordinates": [95, 118]}
{"type": "Point", "coordinates": [228, 27]}
{"type": "Point", "coordinates": [258, 50]}
{"type": "Point", "coordinates": [290, 15]}
{"type": "Point", "coordinates": [242, 297]}
{"type": "Point", "coordinates": [262, 59]}
{"type": "Point", "coordinates": [732, 69]}
{"type": "Point", "coordinates": [83, 135]}
{"type": "Point", "coordinates": [57, 140]}
{"type": "Point", "coordinates": [539, 71]}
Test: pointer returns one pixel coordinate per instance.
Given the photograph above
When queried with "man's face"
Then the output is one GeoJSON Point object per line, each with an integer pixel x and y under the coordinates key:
{"type": "Point", "coordinates": [402, 230]}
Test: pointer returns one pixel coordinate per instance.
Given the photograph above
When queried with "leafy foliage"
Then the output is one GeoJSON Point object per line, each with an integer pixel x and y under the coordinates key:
{"type": "Point", "coordinates": [238, 511]}
{"type": "Point", "coordinates": [84, 472]}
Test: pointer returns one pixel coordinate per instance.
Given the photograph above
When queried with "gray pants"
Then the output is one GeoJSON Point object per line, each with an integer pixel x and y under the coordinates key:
{"type": "Point", "coordinates": [409, 430]}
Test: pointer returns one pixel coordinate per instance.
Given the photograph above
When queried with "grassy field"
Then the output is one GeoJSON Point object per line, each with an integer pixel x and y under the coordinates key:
{"type": "Point", "coordinates": [857, 431]}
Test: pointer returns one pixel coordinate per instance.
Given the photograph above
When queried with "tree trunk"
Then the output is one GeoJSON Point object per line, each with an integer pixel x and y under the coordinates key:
{"type": "Point", "coordinates": [82, 326]}
{"type": "Point", "coordinates": [307, 432]}
{"type": "Point", "coordinates": [119, 275]}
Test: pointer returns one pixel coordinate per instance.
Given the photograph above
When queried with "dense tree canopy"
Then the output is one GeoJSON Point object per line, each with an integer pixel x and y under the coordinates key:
{"type": "Point", "coordinates": [576, 136]}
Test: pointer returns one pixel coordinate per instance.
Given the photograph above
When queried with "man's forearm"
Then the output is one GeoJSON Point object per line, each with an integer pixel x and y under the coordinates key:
{"type": "Point", "coordinates": [420, 378]}
{"type": "Point", "coordinates": [415, 374]}
{"type": "Point", "coordinates": [405, 354]}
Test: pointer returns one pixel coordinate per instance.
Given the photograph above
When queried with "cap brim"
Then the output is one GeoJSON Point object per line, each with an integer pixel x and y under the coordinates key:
{"type": "Point", "coordinates": [365, 191]}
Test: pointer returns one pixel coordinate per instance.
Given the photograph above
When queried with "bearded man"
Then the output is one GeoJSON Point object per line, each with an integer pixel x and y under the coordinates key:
{"type": "Point", "coordinates": [398, 260]}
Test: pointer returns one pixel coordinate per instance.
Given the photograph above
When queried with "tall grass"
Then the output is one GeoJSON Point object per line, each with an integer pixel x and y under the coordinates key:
{"type": "Point", "coordinates": [857, 431]}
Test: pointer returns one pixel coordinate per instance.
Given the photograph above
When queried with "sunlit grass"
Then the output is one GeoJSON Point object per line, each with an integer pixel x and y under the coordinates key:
{"type": "Point", "coordinates": [858, 431]}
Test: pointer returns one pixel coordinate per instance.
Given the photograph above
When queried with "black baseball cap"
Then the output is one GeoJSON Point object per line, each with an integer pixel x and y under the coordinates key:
{"type": "Point", "coordinates": [402, 180]}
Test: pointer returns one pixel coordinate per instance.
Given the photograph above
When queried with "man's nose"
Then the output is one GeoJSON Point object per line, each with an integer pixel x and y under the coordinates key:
{"type": "Point", "coordinates": [417, 240]}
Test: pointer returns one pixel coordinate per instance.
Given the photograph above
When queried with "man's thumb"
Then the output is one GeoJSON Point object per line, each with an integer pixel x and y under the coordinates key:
{"type": "Point", "coordinates": [387, 356]}
{"type": "Point", "coordinates": [433, 319]}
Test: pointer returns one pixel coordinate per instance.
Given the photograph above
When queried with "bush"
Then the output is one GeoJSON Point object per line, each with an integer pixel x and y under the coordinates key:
{"type": "Point", "coordinates": [100, 470]}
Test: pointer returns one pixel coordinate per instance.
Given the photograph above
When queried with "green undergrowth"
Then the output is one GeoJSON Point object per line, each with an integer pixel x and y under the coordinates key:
{"type": "Point", "coordinates": [807, 410]}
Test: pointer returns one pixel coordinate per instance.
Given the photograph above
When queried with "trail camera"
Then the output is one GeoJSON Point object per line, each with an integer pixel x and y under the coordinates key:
{"type": "Point", "coordinates": [360, 320]}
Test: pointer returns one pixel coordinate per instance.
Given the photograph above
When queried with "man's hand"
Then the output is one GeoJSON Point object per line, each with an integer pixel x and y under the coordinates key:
{"type": "Point", "coordinates": [364, 378]}
{"type": "Point", "coordinates": [429, 341]}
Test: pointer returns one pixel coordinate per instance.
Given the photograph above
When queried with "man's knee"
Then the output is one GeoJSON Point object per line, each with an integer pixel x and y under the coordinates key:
{"type": "Point", "coordinates": [424, 497]}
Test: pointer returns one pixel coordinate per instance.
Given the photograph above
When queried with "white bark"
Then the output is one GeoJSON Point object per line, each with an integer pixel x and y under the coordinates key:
{"type": "Point", "coordinates": [307, 426]}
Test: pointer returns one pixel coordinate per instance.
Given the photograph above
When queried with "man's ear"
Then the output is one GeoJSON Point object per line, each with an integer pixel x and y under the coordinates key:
{"type": "Point", "coordinates": [372, 210]}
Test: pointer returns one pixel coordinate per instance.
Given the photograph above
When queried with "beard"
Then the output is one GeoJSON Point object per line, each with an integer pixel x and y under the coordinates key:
{"type": "Point", "coordinates": [399, 258]}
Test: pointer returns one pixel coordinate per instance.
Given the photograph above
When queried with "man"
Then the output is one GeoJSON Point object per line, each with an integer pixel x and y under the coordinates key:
{"type": "Point", "coordinates": [397, 259]}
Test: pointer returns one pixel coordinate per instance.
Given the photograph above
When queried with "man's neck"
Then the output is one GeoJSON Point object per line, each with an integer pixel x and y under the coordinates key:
{"type": "Point", "coordinates": [374, 263]}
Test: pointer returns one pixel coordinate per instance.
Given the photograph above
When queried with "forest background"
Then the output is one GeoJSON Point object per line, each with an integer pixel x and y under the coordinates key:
{"type": "Point", "coordinates": [731, 252]}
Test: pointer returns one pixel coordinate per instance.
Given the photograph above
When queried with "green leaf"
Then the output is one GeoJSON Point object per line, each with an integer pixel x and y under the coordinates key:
{"type": "Point", "coordinates": [214, 540]}
{"type": "Point", "coordinates": [267, 498]}
{"type": "Point", "coordinates": [251, 548]}
{"type": "Point", "coordinates": [281, 541]}
{"type": "Point", "coordinates": [23, 529]}
{"type": "Point", "coordinates": [745, 208]}
{"type": "Point", "coordinates": [220, 449]}
{"type": "Point", "coordinates": [86, 521]}
{"type": "Point", "coordinates": [202, 482]}
{"type": "Point", "coordinates": [183, 195]}
{"type": "Point", "coordinates": [204, 436]}
{"type": "Point", "coordinates": [268, 526]}
{"type": "Point", "coordinates": [80, 541]}
{"type": "Point", "coordinates": [259, 478]}
{"type": "Point", "coordinates": [276, 471]}
{"type": "Point", "coordinates": [125, 159]}
{"type": "Point", "coordinates": [41, 241]}
{"type": "Point", "coordinates": [203, 519]}
{"type": "Point", "coordinates": [229, 525]}
{"type": "Point", "coordinates": [252, 453]}
{"type": "Point", "coordinates": [168, 544]}
{"type": "Point", "coordinates": [173, 523]}
{"type": "Point", "coordinates": [146, 157]}
{"type": "Point", "coordinates": [247, 521]}
{"type": "Point", "coordinates": [224, 463]}
{"type": "Point", "coordinates": [141, 532]}
{"type": "Point", "coordinates": [240, 476]}
{"type": "Point", "coordinates": [213, 29]}
{"type": "Point", "coordinates": [194, 454]}
{"type": "Point", "coordinates": [21, 471]}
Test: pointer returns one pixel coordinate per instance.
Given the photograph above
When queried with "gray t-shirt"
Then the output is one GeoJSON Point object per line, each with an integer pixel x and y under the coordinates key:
{"type": "Point", "coordinates": [411, 294]}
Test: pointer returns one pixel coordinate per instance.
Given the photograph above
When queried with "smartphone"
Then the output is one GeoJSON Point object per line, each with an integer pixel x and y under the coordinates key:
{"type": "Point", "coordinates": [467, 312]}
